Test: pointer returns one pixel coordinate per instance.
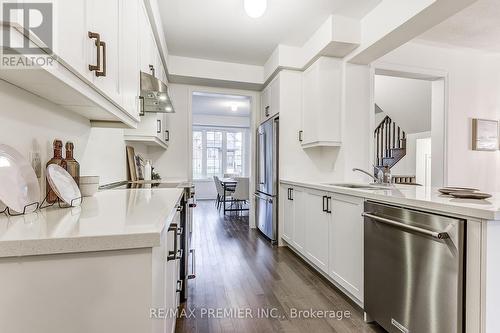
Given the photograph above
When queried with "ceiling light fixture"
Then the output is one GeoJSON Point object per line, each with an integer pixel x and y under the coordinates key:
{"type": "Point", "coordinates": [255, 8]}
{"type": "Point", "coordinates": [234, 107]}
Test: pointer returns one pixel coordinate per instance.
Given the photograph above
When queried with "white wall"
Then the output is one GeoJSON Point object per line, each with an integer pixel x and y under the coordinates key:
{"type": "Point", "coordinates": [406, 101]}
{"type": "Point", "coordinates": [407, 166]}
{"type": "Point", "coordinates": [174, 164]}
{"type": "Point", "coordinates": [213, 120]}
{"type": "Point", "coordinates": [28, 122]}
{"type": "Point", "coordinates": [473, 86]}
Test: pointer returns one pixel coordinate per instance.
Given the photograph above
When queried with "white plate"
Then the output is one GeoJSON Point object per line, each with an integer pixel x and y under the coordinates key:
{"type": "Point", "coordinates": [19, 185]}
{"type": "Point", "coordinates": [63, 184]}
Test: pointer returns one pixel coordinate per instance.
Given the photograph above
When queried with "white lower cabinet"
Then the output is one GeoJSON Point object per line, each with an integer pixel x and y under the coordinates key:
{"type": "Point", "coordinates": [299, 221]}
{"type": "Point", "coordinates": [287, 211]}
{"type": "Point", "coordinates": [327, 229]}
{"type": "Point", "coordinates": [346, 243]}
{"type": "Point", "coordinates": [317, 223]}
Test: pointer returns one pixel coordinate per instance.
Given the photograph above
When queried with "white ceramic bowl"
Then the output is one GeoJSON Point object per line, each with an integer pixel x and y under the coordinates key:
{"type": "Point", "coordinates": [89, 180]}
{"type": "Point", "coordinates": [89, 190]}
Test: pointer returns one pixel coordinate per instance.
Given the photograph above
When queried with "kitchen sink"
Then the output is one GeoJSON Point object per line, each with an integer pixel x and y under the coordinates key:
{"type": "Point", "coordinates": [358, 186]}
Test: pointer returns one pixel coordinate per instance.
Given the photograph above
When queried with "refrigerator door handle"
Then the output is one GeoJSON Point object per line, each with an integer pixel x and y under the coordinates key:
{"type": "Point", "coordinates": [262, 158]}
{"type": "Point", "coordinates": [257, 195]}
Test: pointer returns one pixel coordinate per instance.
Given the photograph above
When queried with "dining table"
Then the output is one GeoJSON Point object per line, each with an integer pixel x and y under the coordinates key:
{"type": "Point", "coordinates": [229, 184]}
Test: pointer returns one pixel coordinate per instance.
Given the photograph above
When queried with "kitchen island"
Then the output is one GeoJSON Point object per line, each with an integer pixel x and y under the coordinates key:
{"type": "Point", "coordinates": [323, 224]}
{"type": "Point", "coordinates": [107, 266]}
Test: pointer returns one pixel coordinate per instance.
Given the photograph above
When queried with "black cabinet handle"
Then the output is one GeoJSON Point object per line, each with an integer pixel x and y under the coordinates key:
{"type": "Point", "coordinates": [152, 69]}
{"type": "Point", "coordinates": [301, 132]}
{"type": "Point", "coordinates": [290, 194]}
{"type": "Point", "coordinates": [325, 203]}
{"type": "Point", "coordinates": [267, 111]}
{"type": "Point", "coordinates": [167, 136]}
{"type": "Point", "coordinates": [158, 126]}
{"type": "Point", "coordinates": [328, 205]}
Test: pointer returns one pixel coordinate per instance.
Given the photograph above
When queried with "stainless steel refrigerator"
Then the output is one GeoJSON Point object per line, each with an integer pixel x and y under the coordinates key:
{"type": "Point", "coordinates": [267, 182]}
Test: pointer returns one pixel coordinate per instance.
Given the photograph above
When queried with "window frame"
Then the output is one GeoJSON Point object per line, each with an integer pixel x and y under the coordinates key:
{"type": "Point", "coordinates": [224, 129]}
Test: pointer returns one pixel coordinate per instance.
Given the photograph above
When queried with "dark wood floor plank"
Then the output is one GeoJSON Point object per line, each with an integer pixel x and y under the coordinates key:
{"type": "Point", "coordinates": [237, 268]}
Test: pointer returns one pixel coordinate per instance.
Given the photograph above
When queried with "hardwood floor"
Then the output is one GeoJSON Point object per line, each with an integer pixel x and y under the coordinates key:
{"type": "Point", "coordinates": [238, 269]}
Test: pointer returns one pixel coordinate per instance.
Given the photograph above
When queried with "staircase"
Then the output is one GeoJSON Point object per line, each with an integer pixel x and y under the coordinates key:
{"type": "Point", "coordinates": [390, 143]}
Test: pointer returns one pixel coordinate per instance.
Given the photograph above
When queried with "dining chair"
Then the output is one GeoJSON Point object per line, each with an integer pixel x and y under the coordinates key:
{"type": "Point", "coordinates": [220, 193]}
{"type": "Point", "coordinates": [241, 193]}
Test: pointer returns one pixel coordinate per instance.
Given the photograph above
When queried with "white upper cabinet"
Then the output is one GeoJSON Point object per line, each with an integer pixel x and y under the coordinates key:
{"type": "Point", "coordinates": [270, 99]}
{"type": "Point", "coordinates": [129, 56]}
{"type": "Point", "coordinates": [152, 130]}
{"type": "Point", "coordinates": [72, 35]}
{"type": "Point", "coordinates": [104, 20]}
{"type": "Point", "coordinates": [148, 51]}
{"type": "Point", "coordinates": [96, 67]}
{"type": "Point", "coordinates": [322, 103]}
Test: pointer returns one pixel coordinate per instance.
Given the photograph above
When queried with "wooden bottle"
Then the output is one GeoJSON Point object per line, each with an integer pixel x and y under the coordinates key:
{"type": "Point", "coordinates": [59, 160]}
{"type": "Point", "coordinates": [72, 166]}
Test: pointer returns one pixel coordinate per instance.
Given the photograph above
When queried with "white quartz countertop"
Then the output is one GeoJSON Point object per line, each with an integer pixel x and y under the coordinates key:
{"type": "Point", "coordinates": [419, 197]}
{"type": "Point", "coordinates": [110, 220]}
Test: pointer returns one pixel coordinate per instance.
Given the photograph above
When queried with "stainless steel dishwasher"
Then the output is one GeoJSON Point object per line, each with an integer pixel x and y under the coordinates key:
{"type": "Point", "coordinates": [413, 270]}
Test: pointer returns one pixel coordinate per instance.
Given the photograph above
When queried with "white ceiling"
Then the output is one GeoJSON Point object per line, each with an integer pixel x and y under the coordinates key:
{"type": "Point", "coordinates": [476, 27]}
{"type": "Point", "coordinates": [220, 105]}
{"type": "Point", "coordinates": [221, 30]}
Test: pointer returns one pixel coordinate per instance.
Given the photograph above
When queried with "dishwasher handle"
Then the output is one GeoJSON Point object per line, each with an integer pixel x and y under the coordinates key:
{"type": "Point", "coordinates": [435, 234]}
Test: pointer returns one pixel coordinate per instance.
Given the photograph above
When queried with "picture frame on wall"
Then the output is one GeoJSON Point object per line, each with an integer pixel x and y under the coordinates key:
{"type": "Point", "coordinates": [485, 135]}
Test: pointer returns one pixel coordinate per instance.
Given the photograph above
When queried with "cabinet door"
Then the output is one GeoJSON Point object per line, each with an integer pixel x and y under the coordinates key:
{"type": "Point", "coordinates": [146, 41]}
{"type": "Point", "coordinates": [104, 19]}
{"type": "Point", "coordinates": [299, 221]}
{"type": "Point", "coordinates": [170, 284]}
{"type": "Point", "coordinates": [317, 229]}
{"type": "Point", "coordinates": [309, 104]}
{"type": "Point", "coordinates": [288, 212]}
{"type": "Point", "coordinates": [265, 104]}
{"type": "Point", "coordinates": [346, 244]}
{"type": "Point", "coordinates": [72, 35]}
{"type": "Point", "coordinates": [159, 279]}
{"type": "Point", "coordinates": [129, 56]}
{"type": "Point", "coordinates": [321, 103]}
{"type": "Point", "coordinates": [274, 97]}
{"type": "Point", "coordinates": [166, 130]}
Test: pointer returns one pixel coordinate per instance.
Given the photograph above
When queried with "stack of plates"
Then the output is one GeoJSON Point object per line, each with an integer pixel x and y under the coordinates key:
{"type": "Point", "coordinates": [464, 193]}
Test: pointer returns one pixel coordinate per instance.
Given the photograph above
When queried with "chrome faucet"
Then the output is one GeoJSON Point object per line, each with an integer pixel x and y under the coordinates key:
{"type": "Point", "coordinates": [377, 180]}
{"type": "Point", "coordinates": [383, 175]}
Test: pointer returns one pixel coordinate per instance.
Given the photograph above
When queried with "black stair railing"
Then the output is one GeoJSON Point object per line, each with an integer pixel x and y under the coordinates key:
{"type": "Point", "coordinates": [390, 143]}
